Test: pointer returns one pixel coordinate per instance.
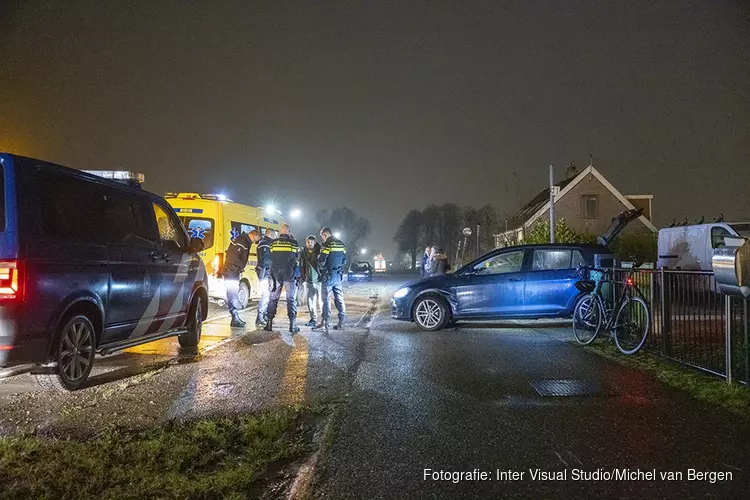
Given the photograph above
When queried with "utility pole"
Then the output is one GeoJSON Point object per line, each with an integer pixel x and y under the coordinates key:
{"type": "Point", "coordinates": [477, 241]}
{"type": "Point", "coordinates": [551, 204]}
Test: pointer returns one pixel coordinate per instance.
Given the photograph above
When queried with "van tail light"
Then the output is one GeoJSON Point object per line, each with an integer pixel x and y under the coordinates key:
{"type": "Point", "coordinates": [11, 280]}
{"type": "Point", "coordinates": [217, 263]}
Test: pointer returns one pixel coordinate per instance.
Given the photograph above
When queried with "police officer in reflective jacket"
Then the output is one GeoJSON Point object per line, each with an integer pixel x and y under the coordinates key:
{"type": "Point", "coordinates": [284, 274]}
{"type": "Point", "coordinates": [263, 270]}
{"type": "Point", "coordinates": [236, 260]}
{"type": "Point", "coordinates": [331, 265]}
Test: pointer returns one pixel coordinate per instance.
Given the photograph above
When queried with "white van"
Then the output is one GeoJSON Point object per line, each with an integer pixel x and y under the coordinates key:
{"type": "Point", "coordinates": [691, 247]}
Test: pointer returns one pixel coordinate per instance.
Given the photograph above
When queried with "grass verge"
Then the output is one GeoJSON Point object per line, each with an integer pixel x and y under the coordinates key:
{"type": "Point", "coordinates": [204, 459]}
{"type": "Point", "coordinates": [704, 387]}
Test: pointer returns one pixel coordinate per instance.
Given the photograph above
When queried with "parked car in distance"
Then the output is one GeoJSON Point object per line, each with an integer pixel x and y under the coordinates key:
{"type": "Point", "coordinates": [89, 265]}
{"type": "Point", "coordinates": [527, 281]}
{"type": "Point", "coordinates": [360, 271]}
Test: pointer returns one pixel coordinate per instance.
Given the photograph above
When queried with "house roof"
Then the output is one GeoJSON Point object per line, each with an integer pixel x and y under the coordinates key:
{"type": "Point", "coordinates": [540, 204]}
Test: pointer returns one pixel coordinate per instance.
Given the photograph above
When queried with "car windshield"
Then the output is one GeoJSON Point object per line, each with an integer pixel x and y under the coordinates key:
{"type": "Point", "coordinates": [742, 229]}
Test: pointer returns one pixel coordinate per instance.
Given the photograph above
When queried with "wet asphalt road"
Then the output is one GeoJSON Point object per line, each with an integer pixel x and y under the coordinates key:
{"type": "Point", "coordinates": [456, 400]}
{"type": "Point", "coordinates": [462, 400]}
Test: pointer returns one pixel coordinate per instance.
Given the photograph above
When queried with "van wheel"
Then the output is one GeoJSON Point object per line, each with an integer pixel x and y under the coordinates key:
{"type": "Point", "coordinates": [74, 351]}
{"type": "Point", "coordinates": [243, 294]}
{"type": "Point", "coordinates": [431, 313]}
{"type": "Point", "coordinates": [192, 336]}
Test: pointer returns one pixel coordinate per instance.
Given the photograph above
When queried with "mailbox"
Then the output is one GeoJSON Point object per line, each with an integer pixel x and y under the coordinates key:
{"type": "Point", "coordinates": [732, 267]}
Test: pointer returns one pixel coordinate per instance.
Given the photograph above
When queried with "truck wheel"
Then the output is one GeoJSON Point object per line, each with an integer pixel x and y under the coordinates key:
{"type": "Point", "coordinates": [74, 351]}
{"type": "Point", "coordinates": [243, 294]}
{"type": "Point", "coordinates": [192, 336]}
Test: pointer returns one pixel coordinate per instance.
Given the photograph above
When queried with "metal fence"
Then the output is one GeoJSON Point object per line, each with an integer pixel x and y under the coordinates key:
{"type": "Point", "coordinates": [692, 323]}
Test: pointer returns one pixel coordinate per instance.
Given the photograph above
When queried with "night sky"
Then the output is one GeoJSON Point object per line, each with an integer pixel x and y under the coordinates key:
{"type": "Point", "coordinates": [387, 106]}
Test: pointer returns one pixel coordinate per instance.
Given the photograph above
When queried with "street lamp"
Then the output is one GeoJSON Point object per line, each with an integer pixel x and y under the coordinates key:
{"type": "Point", "coordinates": [363, 251]}
{"type": "Point", "coordinates": [295, 214]}
{"type": "Point", "coordinates": [337, 235]}
{"type": "Point", "coordinates": [270, 209]}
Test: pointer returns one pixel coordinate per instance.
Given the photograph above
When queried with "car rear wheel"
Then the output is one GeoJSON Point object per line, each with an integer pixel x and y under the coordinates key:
{"type": "Point", "coordinates": [243, 294]}
{"type": "Point", "coordinates": [431, 313]}
{"type": "Point", "coordinates": [192, 336]}
{"type": "Point", "coordinates": [74, 351]}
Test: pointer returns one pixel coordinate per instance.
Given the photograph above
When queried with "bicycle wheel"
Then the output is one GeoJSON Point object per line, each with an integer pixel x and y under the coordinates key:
{"type": "Point", "coordinates": [587, 319]}
{"type": "Point", "coordinates": [631, 325]}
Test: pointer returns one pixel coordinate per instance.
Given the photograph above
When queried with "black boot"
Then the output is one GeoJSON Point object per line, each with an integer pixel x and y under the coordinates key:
{"type": "Point", "coordinates": [321, 327]}
{"type": "Point", "coordinates": [269, 325]}
{"type": "Point", "coordinates": [311, 323]}
{"type": "Point", "coordinates": [340, 325]}
{"type": "Point", "coordinates": [237, 321]}
{"type": "Point", "coordinates": [293, 328]}
{"type": "Point", "coordinates": [260, 321]}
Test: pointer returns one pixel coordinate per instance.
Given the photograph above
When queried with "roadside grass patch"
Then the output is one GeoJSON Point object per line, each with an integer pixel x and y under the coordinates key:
{"type": "Point", "coordinates": [203, 459]}
{"type": "Point", "coordinates": [704, 387]}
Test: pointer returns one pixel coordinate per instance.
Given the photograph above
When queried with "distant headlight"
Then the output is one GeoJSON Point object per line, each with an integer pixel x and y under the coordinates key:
{"type": "Point", "coordinates": [401, 292]}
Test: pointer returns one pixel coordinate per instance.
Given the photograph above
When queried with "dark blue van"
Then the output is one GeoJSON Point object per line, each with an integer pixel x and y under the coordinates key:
{"type": "Point", "coordinates": [89, 265]}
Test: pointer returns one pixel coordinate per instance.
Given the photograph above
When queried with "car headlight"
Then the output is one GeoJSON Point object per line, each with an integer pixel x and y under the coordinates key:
{"type": "Point", "coordinates": [401, 292]}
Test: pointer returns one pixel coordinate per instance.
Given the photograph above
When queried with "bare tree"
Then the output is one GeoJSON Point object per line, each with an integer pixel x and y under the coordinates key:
{"type": "Point", "coordinates": [408, 235]}
{"type": "Point", "coordinates": [354, 229]}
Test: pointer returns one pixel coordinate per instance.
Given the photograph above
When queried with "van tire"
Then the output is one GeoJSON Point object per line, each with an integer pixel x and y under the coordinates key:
{"type": "Point", "coordinates": [76, 339]}
{"type": "Point", "coordinates": [243, 294]}
{"type": "Point", "coordinates": [192, 335]}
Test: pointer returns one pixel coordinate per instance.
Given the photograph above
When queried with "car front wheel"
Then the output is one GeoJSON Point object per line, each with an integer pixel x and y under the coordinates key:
{"type": "Point", "coordinates": [431, 313]}
{"type": "Point", "coordinates": [192, 336]}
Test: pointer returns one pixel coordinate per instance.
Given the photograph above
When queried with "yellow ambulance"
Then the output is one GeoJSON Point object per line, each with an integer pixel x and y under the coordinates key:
{"type": "Point", "coordinates": [217, 221]}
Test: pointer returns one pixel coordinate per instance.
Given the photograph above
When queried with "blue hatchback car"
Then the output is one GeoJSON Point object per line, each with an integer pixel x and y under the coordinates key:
{"type": "Point", "coordinates": [527, 281]}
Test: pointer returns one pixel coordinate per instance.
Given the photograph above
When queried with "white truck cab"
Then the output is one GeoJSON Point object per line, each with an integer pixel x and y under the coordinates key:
{"type": "Point", "coordinates": [691, 247]}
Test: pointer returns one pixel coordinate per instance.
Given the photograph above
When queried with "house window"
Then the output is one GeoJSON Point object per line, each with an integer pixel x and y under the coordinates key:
{"type": "Point", "coordinates": [590, 204]}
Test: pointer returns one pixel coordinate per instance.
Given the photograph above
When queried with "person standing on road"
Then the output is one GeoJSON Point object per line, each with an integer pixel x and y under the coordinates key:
{"type": "Point", "coordinates": [331, 264]}
{"type": "Point", "coordinates": [439, 263]}
{"type": "Point", "coordinates": [425, 269]}
{"type": "Point", "coordinates": [263, 270]}
{"type": "Point", "coordinates": [284, 274]}
{"type": "Point", "coordinates": [237, 254]}
{"type": "Point", "coordinates": [310, 277]}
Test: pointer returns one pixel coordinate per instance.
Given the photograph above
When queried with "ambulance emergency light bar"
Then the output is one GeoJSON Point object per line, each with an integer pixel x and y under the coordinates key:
{"type": "Point", "coordinates": [123, 176]}
{"type": "Point", "coordinates": [196, 196]}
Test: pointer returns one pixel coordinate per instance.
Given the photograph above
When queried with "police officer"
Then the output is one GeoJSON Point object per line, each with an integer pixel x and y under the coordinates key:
{"type": "Point", "coordinates": [263, 270]}
{"type": "Point", "coordinates": [331, 265]}
{"type": "Point", "coordinates": [237, 254]}
{"type": "Point", "coordinates": [284, 274]}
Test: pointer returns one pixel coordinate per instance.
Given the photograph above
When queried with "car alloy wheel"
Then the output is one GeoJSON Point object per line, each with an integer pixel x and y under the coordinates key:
{"type": "Point", "coordinates": [76, 351]}
{"type": "Point", "coordinates": [429, 314]}
{"type": "Point", "coordinates": [243, 294]}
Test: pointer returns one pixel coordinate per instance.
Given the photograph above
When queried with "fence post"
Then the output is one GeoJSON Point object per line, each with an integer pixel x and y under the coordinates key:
{"type": "Point", "coordinates": [728, 336]}
{"type": "Point", "coordinates": [665, 313]}
{"type": "Point", "coordinates": [745, 319]}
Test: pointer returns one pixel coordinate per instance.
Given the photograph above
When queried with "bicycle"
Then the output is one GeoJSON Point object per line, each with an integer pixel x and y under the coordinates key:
{"type": "Point", "coordinates": [629, 326]}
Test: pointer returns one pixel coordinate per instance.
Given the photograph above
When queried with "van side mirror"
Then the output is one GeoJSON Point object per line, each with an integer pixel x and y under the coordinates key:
{"type": "Point", "coordinates": [196, 245]}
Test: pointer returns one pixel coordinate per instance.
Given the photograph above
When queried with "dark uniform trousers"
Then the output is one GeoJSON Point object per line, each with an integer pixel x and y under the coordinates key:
{"type": "Point", "coordinates": [332, 287]}
{"type": "Point", "coordinates": [276, 283]}
{"type": "Point", "coordinates": [232, 284]}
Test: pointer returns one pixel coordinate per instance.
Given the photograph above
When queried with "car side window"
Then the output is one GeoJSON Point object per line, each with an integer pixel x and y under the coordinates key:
{"type": "Point", "coordinates": [509, 262]}
{"type": "Point", "coordinates": [128, 220]}
{"type": "Point", "coordinates": [551, 259]}
{"type": "Point", "coordinates": [170, 233]}
{"type": "Point", "coordinates": [717, 236]}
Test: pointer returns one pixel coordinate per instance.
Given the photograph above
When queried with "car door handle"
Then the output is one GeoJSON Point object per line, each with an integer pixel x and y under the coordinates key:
{"type": "Point", "coordinates": [515, 279]}
{"type": "Point", "coordinates": [159, 255]}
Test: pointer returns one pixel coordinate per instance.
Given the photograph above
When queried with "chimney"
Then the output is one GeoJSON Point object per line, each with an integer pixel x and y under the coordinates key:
{"type": "Point", "coordinates": [571, 170]}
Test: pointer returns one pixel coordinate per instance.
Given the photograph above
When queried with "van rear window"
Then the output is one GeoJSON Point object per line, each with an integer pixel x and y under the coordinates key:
{"type": "Point", "coordinates": [200, 227]}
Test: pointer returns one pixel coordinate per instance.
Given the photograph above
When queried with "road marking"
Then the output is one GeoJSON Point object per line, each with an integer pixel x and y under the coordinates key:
{"type": "Point", "coordinates": [292, 390]}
